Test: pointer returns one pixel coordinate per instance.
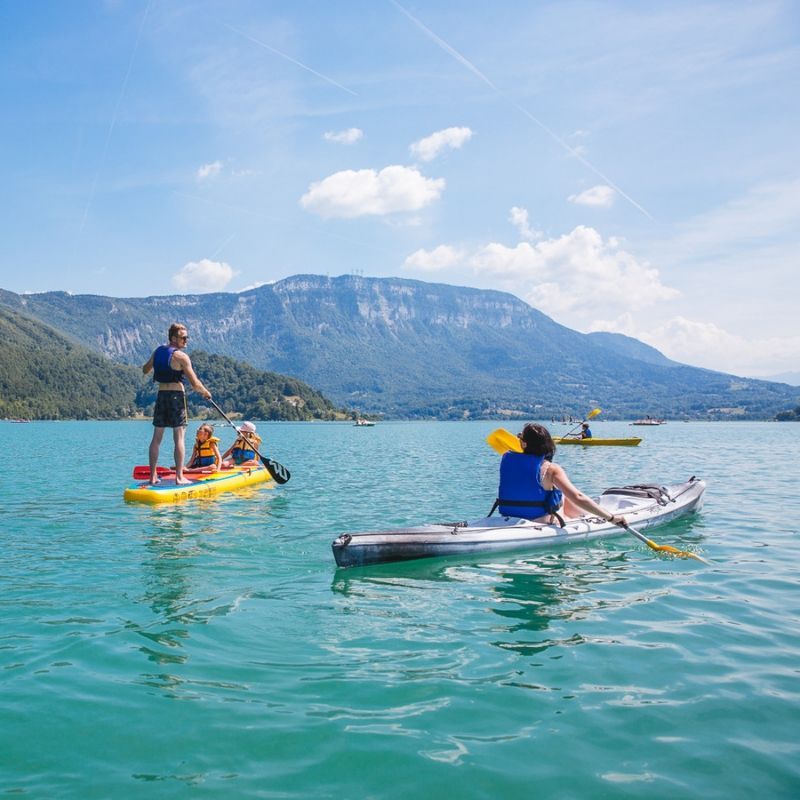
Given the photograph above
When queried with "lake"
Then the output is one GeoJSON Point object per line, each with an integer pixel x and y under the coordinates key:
{"type": "Point", "coordinates": [214, 650]}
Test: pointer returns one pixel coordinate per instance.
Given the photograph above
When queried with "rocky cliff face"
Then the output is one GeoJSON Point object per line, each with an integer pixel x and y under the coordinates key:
{"type": "Point", "coordinates": [408, 348]}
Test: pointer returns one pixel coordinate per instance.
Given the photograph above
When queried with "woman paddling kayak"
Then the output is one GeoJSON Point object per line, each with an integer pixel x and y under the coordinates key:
{"type": "Point", "coordinates": [533, 487]}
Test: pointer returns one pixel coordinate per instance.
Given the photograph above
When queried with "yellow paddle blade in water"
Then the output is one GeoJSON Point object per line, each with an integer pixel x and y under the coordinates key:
{"type": "Point", "coordinates": [502, 441]}
{"type": "Point", "coordinates": [673, 551]}
{"type": "Point", "coordinates": [663, 548]}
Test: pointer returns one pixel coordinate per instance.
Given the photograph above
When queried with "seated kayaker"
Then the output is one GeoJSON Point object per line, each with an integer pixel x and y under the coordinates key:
{"type": "Point", "coordinates": [242, 453]}
{"type": "Point", "coordinates": [205, 455]}
{"type": "Point", "coordinates": [533, 487]}
{"type": "Point", "coordinates": [586, 432]}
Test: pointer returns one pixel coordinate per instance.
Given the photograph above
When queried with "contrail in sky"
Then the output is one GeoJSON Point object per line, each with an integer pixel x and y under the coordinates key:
{"type": "Point", "coordinates": [451, 51]}
{"type": "Point", "coordinates": [223, 246]}
{"type": "Point", "coordinates": [114, 116]}
{"type": "Point", "coordinates": [288, 58]}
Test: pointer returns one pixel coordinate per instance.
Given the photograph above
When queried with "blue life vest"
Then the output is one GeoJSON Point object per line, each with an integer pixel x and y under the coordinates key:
{"type": "Point", "coordinates": [586, 433]}
{"type": "Point", "coordinates": [162, 371]}
{"type": "Point", "coordinates": [521, 493]}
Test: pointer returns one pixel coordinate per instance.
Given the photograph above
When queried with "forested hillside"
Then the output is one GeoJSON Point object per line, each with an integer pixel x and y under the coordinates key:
{"type": "Point", "coordinates": [241, 389]}
{"type": "Point", "coordinates": [44, 375]}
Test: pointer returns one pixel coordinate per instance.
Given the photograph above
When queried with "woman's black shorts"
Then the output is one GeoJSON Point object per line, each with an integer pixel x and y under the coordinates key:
{"type": "Point", "coordinates": [170, 410]}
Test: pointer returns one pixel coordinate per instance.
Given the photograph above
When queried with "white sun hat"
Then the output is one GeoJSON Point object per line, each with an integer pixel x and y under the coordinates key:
{"type": "Point", "coordinates": [247, 427]}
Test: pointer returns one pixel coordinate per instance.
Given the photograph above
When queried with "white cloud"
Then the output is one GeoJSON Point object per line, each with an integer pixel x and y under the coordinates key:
{"type": "Point", "coordinates": [356, 193]}
{"type": "Point", "coordinates": [203, 276]}
{"type": "Point", "coordinates": [573, 275]}
{"type": "Point", "coordinates": [597, 197]}
{"type": "Point", "coordinates": [518, 217]}
{"type": "Point", "coordinates": [705, 344]}
{"type": "Point", "coordinates": [439, 258]}
{"type": "Point", "coordinates": [349, 136]}
{"type": "Point", "coordinates": [209, 171]}
{"type": "Point", "coordinates": [431, 146]}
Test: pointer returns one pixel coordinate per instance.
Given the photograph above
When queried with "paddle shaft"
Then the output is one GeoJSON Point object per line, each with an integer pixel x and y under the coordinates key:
{"type": "Point", "coordinates": [278, 472]}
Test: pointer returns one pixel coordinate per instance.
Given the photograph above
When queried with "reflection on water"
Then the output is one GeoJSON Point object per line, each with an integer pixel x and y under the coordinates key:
{"type": "Point", "coordinates": [181, 545]}
{"type": "Point", "coordinates": [526, 596]}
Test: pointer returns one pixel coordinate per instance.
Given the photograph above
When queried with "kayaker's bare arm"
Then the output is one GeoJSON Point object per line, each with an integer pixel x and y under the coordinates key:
{"type": "Point", "coordinates": [182, 361]}
{"type": "Point", "coordinates": [148, 365]}
{"type": "Point", "coordinates": [558, 478]}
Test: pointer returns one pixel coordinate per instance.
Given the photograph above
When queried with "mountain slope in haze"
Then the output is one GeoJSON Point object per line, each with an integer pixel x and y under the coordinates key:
{"type": "Point", "coordinates": [631, 348]}
{"type": "Point", "coordinates": [412, 349]}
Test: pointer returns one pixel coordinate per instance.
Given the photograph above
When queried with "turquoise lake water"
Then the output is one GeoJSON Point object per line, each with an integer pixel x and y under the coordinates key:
{"type": "Point", "coordinates": [214, 650]}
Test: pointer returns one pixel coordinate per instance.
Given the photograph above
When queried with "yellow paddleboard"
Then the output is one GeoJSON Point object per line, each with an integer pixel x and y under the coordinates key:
{"type": "Point", "coordinates": [166, 491]}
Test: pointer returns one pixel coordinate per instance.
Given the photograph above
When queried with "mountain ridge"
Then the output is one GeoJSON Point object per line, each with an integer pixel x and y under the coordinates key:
{"type": "Point", "coordinates": [408, 348]}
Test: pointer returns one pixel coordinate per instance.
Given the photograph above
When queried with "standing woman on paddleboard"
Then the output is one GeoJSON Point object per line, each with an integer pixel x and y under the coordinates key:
{"type": "Point", "coordinates": [533, 487]}
{"type": "Point", "coordinates": [171, 367]}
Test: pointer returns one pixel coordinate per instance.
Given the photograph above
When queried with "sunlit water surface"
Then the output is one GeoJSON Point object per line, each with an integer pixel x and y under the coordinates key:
{"type": "Point", "coordinates": [213, 649]}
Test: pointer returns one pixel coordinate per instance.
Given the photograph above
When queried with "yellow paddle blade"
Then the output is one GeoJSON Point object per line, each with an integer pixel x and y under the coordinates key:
{"type": "Point", "coordinates": [502, 441]}
{"type": "Point", "coordinates": [673, 551]}
{"type": "Point", "coordinates": [664, 548]}
{"type": "Point", "coordinates": [592, 414]}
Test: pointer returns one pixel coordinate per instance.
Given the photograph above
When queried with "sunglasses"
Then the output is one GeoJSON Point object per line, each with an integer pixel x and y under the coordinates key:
{"type": "Point", "coordinates": [184, 338]}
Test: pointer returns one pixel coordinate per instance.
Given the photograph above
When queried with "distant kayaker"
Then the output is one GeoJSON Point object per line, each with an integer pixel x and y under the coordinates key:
{"type": "Point", "coordinates": [242, 453]}
{"type": "Point", "coordinates": [533, 487]}
{"type": "Point", "coordinates": [586, 432]}
{"type": "Point", "coordinates": [205, 455]}
{"type": "Point", "coordinates": [171, 367]}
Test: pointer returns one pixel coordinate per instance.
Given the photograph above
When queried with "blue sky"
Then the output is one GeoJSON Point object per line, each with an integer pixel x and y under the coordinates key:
{"type": "Point", "coordinates": [621, 166]}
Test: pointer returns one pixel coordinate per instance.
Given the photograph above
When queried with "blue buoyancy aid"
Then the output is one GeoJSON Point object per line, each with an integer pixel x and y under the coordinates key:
{"type": "Point", "coordinates": [521, 493]}
{"type": "Point", "coordinates": [162, 371]}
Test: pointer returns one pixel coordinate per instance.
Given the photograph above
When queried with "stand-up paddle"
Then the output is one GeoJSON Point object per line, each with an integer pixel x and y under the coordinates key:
{"type": "Point", "coordinates": [278, 472]}
{"type": "Point", "coordinates": [501, 441]}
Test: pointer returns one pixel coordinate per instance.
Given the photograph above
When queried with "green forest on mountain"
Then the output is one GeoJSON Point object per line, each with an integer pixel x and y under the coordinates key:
{"type": "Point", "coordinates": [44, 375]}
{"type": "Point", "coordinates": [239, 388]}
{"type": "Point", "coordinates": [789, 416]}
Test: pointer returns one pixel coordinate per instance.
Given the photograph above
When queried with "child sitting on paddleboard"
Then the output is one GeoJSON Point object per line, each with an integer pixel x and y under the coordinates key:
{"type": "Point", "coordinates": [242, 453]}
{"type": "Point", "coordinates": [205, 454]}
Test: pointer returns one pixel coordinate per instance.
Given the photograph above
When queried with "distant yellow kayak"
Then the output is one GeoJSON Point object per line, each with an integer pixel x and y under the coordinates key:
{"type": "Point", "coordinates": [631, 441]}
{"type": "Point", "coordinates": [202, 486]}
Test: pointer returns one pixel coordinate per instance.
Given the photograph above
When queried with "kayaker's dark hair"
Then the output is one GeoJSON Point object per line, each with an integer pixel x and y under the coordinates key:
{"type": "Point", "coordinates": [537, 441]}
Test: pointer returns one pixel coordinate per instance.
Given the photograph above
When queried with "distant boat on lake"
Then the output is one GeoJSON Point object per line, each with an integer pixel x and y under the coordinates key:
{"type": "Point", "coordinates": [363, 423]}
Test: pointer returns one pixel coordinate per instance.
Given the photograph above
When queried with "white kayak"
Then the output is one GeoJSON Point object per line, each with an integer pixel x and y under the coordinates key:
{"type": "Point", "coordinates": [643, 505]}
